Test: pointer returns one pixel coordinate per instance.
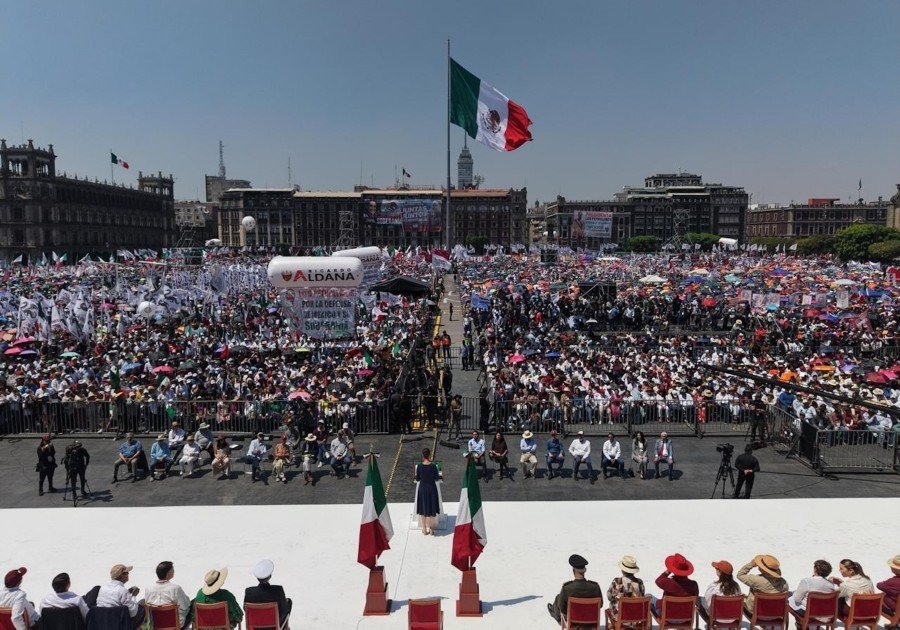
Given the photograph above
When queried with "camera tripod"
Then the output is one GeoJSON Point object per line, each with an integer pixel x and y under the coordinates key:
{"type": "Point", "coordinates": [68, 488]}
{"type": "Point", "coordinates": [725, 472]}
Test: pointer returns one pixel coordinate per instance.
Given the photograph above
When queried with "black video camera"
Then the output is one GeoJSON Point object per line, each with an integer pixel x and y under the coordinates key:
{"type": "Point", "coordinates": [726, 449]}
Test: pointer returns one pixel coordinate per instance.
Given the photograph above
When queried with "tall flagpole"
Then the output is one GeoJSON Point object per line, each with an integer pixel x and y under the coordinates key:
{"type": "Point", "coordinates": [447, 214]}
{"type": "Point", "coordinates": [111, 174]}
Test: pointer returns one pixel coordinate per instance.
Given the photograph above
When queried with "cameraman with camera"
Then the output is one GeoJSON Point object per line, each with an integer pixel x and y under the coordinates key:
{"type": "Point", "coordinates": [747, 466]}
{"type": "Point", "coordinates": [76, 463]}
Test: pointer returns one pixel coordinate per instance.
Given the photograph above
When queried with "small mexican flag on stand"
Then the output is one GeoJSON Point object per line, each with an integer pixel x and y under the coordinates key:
{"type": "Point", "coordinates": [486, 114]}
{"type": "Point", "coordinates": [470, 535]}
{"type": "Point", "coordinates": [117, 160]}
{"type": "Point", "coordinates": [376, 529]}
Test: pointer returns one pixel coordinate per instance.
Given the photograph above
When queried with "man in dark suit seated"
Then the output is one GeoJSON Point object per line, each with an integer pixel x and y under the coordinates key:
{"type": "Point", "coordinates": [265, 593]}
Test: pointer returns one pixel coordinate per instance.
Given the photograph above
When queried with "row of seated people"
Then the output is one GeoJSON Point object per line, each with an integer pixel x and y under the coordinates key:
{"type": "Point", "coordinates": [818, 600]}
{"type": "Point", "coordinates": [114, 606]}
{"type": "Point", "coordinates": [339, 453]}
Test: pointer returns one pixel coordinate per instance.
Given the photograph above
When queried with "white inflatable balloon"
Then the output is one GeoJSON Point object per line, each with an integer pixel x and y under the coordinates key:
{"type": "Point", "coordinates": [145, 309]}
{"type": "Point", "coordinates": [319, 272]}
{"type": "Point", "coordinates": [214, 242]}
{"type": "Point", "coordinates": [248, 223]}
{"type": "Point", "coordinates": [370, 256]}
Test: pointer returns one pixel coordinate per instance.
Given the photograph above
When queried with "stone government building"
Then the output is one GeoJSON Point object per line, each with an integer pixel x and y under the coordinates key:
{"type": "Point", "coordinates": [311, 218]}
{"type": "Point", "coordinates": [42, 211]}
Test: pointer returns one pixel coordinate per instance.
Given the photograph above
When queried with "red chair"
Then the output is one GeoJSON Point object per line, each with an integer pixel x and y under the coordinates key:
{"type": "Point", "coordinates": [634, 614]}
{"type": "Point", "coordinates": [582, 612]}
{"type": "Point", "coordinates": [263, 616]}
{"type": "Point", "coordinates": [677, 612]}
{"type": "Point", "coordinates": [769, 610]}
{"type": "Point", "coordinates": [212, 616]}
{"type": "Point", "coordinates": [425, 614]}
{"type": "Point", "coordinates": [821, 610]}
{"type": "Point", "coordinates": [6, 621]}
{"type": "Point", "coordinates": [725, 611]}
{"type": "Point", "coordinates": [865, 610]}
{"type": "Point", "coordinates": [164, 617]}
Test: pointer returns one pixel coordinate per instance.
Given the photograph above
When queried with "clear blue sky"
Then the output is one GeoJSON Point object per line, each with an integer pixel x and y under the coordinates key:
{"type": "Point", "coordinates": [789, 99]}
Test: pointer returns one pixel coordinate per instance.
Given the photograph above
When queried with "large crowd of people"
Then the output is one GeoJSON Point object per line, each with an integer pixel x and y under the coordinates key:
{"type": "Point", "coordinates": [217, 335]}
{"type": "Point", "coordinates": [558, 346]}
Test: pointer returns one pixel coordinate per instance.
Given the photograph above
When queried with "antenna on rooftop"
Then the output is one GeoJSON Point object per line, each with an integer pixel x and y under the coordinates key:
{"type": "Point", "coordinates": [221, 160]}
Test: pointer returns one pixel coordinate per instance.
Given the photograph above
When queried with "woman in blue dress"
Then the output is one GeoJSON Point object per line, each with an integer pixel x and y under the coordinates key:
{"type": "Point", "coordinates": [428, 503]}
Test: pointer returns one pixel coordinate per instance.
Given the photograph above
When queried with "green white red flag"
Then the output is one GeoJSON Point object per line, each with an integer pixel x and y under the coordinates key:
{"type": "Point", "coordinates": [376, 529]}
{"type": "Point", "coordinates": [486, 114]}
{"type": "Point", "coordinates": [470, 535]}
{"type": "Point", "coordinates": [115, 159]}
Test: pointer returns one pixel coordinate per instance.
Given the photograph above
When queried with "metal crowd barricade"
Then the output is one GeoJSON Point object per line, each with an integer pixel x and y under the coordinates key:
{"type": "Point", "coordinates": [857, 450]}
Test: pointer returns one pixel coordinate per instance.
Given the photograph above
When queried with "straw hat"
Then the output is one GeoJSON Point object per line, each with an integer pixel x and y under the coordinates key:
{"type": "Point", "coordinates": [628, 565]}
{"type": "Point", "coordinates": [768, 564]}
{"type": "Point", "coordinates": [213, 580]}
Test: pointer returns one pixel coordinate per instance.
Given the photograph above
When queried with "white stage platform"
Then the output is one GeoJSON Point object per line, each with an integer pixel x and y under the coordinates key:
{"type": "Point", "coordinates": [314, 549]}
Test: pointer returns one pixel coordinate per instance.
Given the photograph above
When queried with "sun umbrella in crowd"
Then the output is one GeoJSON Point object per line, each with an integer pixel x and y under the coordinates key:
{"type": "Point", "coordinates": [163, 369]}
{"type": "Point", "coordinates": [70, 355]}
{"type": "Point", "coordinates": [516, 358]}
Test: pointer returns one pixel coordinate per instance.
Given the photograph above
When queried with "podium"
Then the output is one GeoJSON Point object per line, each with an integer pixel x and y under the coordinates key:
{"type": "Point", "coordinates": [469, 603]}
{"type": "Point", "coordinates": [377, 602]}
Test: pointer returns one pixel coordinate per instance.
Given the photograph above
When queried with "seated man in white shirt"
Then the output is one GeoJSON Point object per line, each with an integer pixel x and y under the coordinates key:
{"type": "Point", "coordinates": [62, 597]}
{"type": "Point", "coordinates": [612, 455]}
{"type": "Point", "coordinates": [176, 440]}
{"type": "Point", "coordinates": [817, 583]}
{"type": "Point", "coordinates": [580, 448]}
{"type": "Point", "coordinates": [113, 594]}
{"type": "Point", "coordinates": [476, 450]}
{"type": "Point", "coordinates": [164, 592]}
{"type": "Point", "coordinates": [24, 616]}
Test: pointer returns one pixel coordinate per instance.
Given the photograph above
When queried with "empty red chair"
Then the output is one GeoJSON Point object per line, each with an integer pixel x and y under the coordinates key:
{"type": "Point", "coordinates": [425, 614]}
{"type": "Point", "coordinates": [6, 622]}
{"type": "Point", "coordinates": [821, 610]}
{"type": "Point", "coordinates": [865, 610]}
{"type": "Point", "coordinates": [769, 610]}
{"type": "Point", "coordinates": [725, 611]}
{"type": "Point", "coordinates": [259, 616]}
{"type": "Point", "coordinates": [677, 612]}
{"type": "Point", "coordinates": [164, 617]}
{"type": "Point", "coordinates": [211, 616]}
{"type": "Point", "coordinates": [634, 614]}
{"type": "Point", "coordinates": [582, 612]}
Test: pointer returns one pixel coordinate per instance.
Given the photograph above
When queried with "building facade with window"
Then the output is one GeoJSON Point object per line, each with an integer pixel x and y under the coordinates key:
{"type": "Point", "coordinates": [42, 211]}
{"type": "Point", "coordinates": [667, 204]}
{"type": "Point", "coordinates": [308, 219]}
{"type": "Point", "coordinates": [817, 217]}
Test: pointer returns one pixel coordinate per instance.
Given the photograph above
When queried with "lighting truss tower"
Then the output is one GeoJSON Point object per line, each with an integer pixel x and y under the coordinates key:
{"type": "Point", "coordinates": [681, 221]}
{"type": "Point", "coordinates": [347, 236]}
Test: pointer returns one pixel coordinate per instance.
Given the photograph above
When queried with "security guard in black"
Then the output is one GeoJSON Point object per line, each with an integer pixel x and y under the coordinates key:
{"type": "Point", "coordinates": [578, 587]}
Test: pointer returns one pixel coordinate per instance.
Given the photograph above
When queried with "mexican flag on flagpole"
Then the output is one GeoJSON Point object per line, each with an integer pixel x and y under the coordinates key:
{"type": "Point", "coordinates": [117, 160]}
{"type": "Point", "coordinates": [470, 535]}
{"type": "Point", "coordinates": [486, 114]}
{"type": "Point", "coordinates": [375, 530]}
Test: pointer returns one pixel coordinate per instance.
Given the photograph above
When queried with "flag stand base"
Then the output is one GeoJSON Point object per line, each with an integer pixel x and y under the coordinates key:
{"type": "Point", "coordinates": [468, 604]}
{"type": "Point", "coordinates": [377, 602]}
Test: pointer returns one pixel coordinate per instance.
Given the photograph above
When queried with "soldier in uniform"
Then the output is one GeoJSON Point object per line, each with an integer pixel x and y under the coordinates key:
{"type": "Point", "coordinates": [578, 587]}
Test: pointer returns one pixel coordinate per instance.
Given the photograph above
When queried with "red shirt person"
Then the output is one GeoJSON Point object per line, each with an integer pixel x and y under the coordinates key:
{"type": "Point", "coordinates": [674, 581]}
